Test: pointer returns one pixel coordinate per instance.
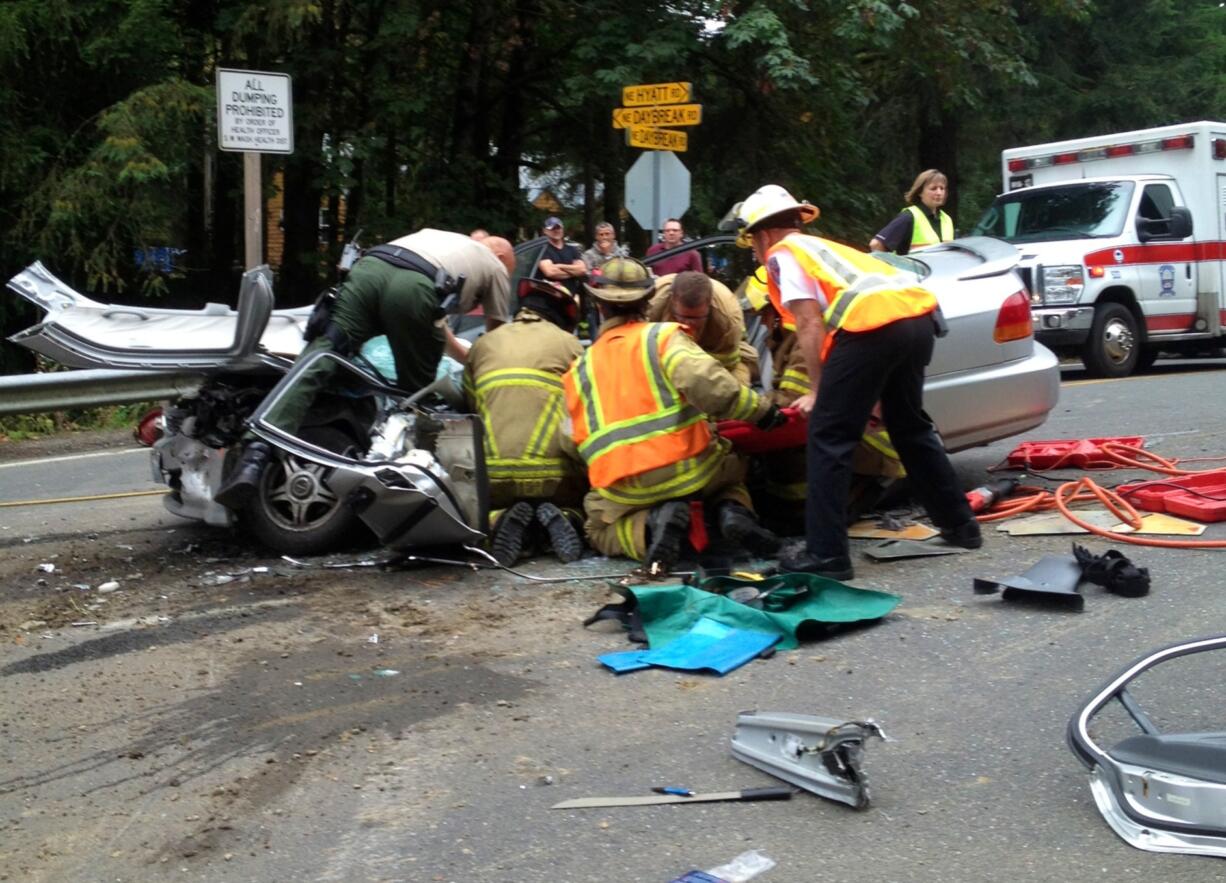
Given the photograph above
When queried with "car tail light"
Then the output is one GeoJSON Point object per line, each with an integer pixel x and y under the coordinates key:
{"type": "Point", "coordinates": [1013, 321]}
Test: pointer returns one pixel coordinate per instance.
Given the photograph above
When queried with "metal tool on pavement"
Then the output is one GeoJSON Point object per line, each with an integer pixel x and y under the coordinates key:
{"type": "Point", "coordinates": [653, 799]}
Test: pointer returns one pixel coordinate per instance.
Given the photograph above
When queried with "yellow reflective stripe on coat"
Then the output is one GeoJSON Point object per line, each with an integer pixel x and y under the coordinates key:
{"type": "Point", "coordinates": [524, 468]}
{"type": "Point", "coordinates": [546, 427]}
{"type": "Point", "coordinates": [879, 439]}
{"type": "Point", "coordinates": [630, 431]}
{"type": "Point", "coordinates": [625, 536]}
{"type": "Point", "coordinates": [518, 377]}
{"type": "Point", "coordinates": [794, 381]}
{"type": "Point", "coordinates": [693, 474]}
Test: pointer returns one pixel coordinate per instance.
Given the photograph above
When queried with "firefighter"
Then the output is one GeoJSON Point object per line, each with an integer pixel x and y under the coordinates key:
{"type": "Point", "coordinates": [513, 378]}
{"type": "Point", "coordinates": [639, 404]}
{"type": "Point", "coordinates": [875, 464]}
{"type": "Point", "coordinates": [866, 330]}
{"type": "Point", "coordinates": [711, 313]}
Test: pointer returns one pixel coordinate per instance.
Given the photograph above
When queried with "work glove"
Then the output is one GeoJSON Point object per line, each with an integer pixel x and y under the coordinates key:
{"type": "Point", "coordinates": [772, 419]}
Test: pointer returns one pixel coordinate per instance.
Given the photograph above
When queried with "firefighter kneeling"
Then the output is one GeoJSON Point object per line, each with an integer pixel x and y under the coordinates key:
{"type": "Point", "coordinates": [640, 401]}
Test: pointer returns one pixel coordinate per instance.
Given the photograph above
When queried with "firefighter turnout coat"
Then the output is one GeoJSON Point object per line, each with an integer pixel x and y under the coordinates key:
{"type": "Point", "coordinates": [639, 402]}
{"type": "Point", "coordinates": [513, 378]}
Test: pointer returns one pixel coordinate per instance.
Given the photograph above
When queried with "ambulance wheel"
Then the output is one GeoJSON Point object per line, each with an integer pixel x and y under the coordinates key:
{"type": "Point", "coordinates": [1146, 360]}
{"type": "Point", "coordinates": [1115, 344]}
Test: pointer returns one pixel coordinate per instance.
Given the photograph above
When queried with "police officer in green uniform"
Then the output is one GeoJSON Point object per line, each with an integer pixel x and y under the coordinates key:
{"type": "Point", "coordinates": [402, 290]}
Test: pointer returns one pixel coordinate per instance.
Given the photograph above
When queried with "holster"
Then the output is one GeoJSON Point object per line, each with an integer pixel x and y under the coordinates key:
{"type": "Point", "coordinates": [320, 324]}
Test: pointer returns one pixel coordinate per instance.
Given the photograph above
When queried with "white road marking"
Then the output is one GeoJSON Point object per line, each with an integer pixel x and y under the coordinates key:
{"type": "Point", "coordinates": [74, 457]}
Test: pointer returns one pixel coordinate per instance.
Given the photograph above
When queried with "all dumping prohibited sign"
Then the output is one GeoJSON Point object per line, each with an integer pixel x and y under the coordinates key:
{"type": "Point", "coordinates": [255, 111]}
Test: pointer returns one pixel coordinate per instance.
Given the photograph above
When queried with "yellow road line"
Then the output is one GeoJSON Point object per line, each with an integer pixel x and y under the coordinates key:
{"type": "Point", "coordinates": [115, 496]}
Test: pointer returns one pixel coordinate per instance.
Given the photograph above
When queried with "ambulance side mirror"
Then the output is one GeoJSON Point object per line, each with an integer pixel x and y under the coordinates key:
{"type": "Point", "coordinates": [1181, 222]}
{"type": "Point", "coordinates": [1177, 226]}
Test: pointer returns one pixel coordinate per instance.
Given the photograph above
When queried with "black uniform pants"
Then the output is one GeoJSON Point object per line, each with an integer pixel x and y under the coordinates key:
{"type": "Point", "coordinates": [887, 365]}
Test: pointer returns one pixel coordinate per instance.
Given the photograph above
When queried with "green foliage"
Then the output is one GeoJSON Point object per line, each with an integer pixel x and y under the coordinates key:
{"type": "Point", "coordinates": [426, 112]}
{"type": "Point", "coordinates": [122, 195]}
{"type": "Point", "coordinates": [25, 426]}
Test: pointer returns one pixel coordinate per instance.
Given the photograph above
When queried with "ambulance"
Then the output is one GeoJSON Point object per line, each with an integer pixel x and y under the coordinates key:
{"type": "Point", "coordinates": [1123, 242]}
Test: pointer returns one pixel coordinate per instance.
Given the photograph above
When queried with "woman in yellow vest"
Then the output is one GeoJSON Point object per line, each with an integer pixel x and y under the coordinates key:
{"type": "Point", "coordinates": [866, 329]}
{"type": "Point", "coordinates": [922, 223]}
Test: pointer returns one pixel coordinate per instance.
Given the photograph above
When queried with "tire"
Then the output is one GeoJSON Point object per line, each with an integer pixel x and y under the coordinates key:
{"type": "Point", "coordinates": [1146, 360]}
{"type": "Point", "coordinates": [1115, 344]}
{"type": "Point", "coordinates": [294, 512]}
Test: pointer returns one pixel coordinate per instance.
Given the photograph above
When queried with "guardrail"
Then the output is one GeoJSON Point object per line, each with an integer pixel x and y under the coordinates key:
{"type": "Point", "coordinates": [62, 390]}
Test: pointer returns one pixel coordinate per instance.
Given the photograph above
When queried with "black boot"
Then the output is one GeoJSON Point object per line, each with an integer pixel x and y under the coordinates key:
{"type": "Point", "coordinates": [667, 526]}
{"type": "Point", "coordinates": [966, 535]}
{"type": "Point", "coordinates": [803, 561]}
{"type": "Point", "coordinates": [510, 533]}
{"type": "Point", "coordinates": [741, 526]}
{"type": "Point", "coordinates": [564, 534]}
{"type": "Point", "coordinates": [244, 478]}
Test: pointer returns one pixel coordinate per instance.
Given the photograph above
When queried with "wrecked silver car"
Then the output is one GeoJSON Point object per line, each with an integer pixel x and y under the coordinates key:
{"type": "Point", "coordinates": [1159, 791]}
{"type": "Point", "coordinates": [367, 453]}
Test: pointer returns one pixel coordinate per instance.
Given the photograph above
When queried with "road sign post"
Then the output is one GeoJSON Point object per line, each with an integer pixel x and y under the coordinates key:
{"type": "Point", "coordinates": [255, 114]}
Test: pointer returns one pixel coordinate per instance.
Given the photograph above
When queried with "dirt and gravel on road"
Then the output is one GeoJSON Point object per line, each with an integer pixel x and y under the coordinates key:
{"type": "Point", "coordinates": [186, 675]}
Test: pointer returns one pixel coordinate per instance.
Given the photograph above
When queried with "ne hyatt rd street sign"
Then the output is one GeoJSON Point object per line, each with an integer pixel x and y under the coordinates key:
{"type": "Point", "coordinates": [661, 115]}
{"type": "Point", "coordinates": [655, 93]}
{"type": "Point", "coordinates": [657, 139]}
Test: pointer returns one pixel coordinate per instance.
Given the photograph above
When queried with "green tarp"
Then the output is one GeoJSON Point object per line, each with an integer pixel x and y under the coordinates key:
{"type": "Point", "coordinates": [668, 612]}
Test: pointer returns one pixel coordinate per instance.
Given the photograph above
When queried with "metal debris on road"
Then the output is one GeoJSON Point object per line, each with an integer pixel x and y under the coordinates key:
{"type": "Point", "coordinates": [819, 754]}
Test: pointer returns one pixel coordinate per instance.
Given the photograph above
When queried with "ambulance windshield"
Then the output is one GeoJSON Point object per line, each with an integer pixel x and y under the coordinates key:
{"type": "Point", "coordinates": [1073, 211]}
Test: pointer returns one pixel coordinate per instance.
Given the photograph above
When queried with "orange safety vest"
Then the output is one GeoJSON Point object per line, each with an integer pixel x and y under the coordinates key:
{"type": "Point", "coordinates": [922, 234]}
{"type": "Point", "coordinates": [626, 415]}
{"type": "Point", "coordinates": [862, 292]}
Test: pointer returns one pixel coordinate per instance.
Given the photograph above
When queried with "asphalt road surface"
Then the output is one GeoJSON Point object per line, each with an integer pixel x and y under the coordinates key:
{"type": "Point", "coordinates": [229, 717]}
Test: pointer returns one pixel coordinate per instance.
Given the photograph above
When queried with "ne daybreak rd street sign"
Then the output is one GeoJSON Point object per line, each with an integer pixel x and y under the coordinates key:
{"type": "Point", "coordinates": [665, 115]}
{"type": "Point", "coordinates": [655, 93]}
{"type": "Point", "coordinates": [657, 139]}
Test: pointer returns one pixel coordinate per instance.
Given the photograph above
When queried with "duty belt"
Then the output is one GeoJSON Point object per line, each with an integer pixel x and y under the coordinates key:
{"type": "Point", "coordinates": [446, 287]}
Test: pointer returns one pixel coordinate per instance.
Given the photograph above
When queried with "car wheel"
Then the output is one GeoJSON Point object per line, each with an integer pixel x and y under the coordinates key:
{"type": "Point", "coordinates": [1114, 346]}
{"type": "Point", "coordinates": [295, 512]}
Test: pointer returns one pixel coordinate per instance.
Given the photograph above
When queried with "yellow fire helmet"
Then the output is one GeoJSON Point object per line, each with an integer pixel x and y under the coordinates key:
{"type": "Point", "coordinates": [621, 280]}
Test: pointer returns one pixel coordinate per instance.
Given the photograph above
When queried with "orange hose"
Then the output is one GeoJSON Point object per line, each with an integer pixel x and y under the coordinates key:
{"type": "Point", "coordinates": [1121, 509]}
{"type": "Point", "coordinates": [1128, 456]}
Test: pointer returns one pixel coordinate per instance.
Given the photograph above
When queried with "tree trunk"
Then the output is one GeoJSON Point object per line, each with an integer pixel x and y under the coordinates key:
{"type": "Point", "coordinates": [299, 279]}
